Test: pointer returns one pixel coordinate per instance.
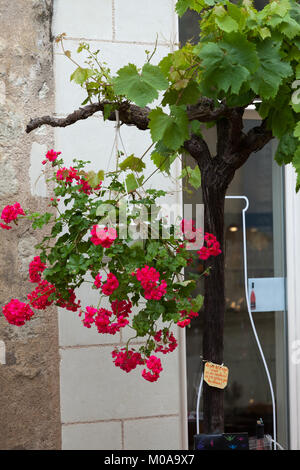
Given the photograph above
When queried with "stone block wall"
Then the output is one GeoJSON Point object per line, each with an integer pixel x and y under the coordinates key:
{"type": "Point", "coordinates": [29, 365]}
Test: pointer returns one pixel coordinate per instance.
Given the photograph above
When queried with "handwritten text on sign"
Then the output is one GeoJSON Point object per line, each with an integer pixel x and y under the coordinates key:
{"type": "Point", "coordinates": [215, 375]}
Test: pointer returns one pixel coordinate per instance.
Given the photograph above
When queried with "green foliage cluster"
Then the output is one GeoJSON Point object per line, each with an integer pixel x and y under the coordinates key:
{"type": "Point", "coordinates": [72, 258]}
{"type": "Point", "coordinates": [243, 57]}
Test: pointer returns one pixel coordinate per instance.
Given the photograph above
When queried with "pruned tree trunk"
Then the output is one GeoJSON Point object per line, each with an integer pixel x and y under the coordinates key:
{"type": "Point", "coordinates": [216, 177]}
{"type": "Point", "coordinates": [214, 308]}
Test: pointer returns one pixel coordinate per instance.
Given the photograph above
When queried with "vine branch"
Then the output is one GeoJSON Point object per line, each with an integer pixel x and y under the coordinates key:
{"type": "Point", "coordinates": [234, 147]}
{"type": "Point", "coordinates": [130, 114]}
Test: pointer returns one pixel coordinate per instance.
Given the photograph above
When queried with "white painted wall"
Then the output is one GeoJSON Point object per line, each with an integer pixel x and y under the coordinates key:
{"type": "Point", "coordinates": [101, 406]}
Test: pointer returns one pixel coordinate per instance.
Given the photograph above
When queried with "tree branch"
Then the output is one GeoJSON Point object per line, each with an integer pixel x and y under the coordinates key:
{"type": "Point", "coordinates": [253, 141]}
{"type": "Point", "coordinates": [198, 149]}
{"type": "Point", "coordinates": [257, 137]}
{"type": "Point", "coordinates": [130, 114]}
{"type": "Point", "coordinates": [205, 110]}
{"type": "Point", "coordinates": [230, 132]}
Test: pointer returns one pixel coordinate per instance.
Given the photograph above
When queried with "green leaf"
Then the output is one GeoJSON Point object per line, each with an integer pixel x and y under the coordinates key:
{"type": "Point", "coordinates": [132, 183]}
{"type": "Point", "coordinates": [227, 64]}
{"type": "Point", "coordinates": [132, 163]}
{"type": "Point", "coordinates": [56, 229]}
{"type": "Point", "coordinates": [163, 162]}
{"type": "Point", "coordinates": [94, 178]}
{"type": "Point", "coordinates": [129, 83]}
{"type": "Point", "coordinates": [226, 22]}
{"type": "Point", "coordinates": [195, 127]}
{"type": "Point", "coordinates": [198, 5]}
{"type": "Point", "coordinates": [290, 27]}
{"type": "Point", "coordinates": [238, 14]}
{"type": "Point", "coordinates": [152, 75]}
{"type": "Point", "coordinates": [140, 88]}
{"type": "Point", "coordinates": [264, 33]}
{"type": "Point", "coordinates": [195, 177]}
{"type": "Point", "coordinates": [42, 220]}
{"type": "Point", "coordinates": [108, 108]}
{"type": "Point", "coordinates": [77, 263]}
{"type": "Point", "coordinates": [183, 5]}
{"type": "Point", "coordinates": [286, 149]}
{"type": "Point", "coordinates": [275, 8]}
{"type": "Point", "coordinates": [188, 95]}
{"type": "Point", "coordinates": [272, 70]}
{"type": "Point", "coordinates": [297, 130]}
{"type": "Point", "coordinates": [80, 75]}
{"type": "Point", "coordinates": [141, 323]}
{"type": "Point", "coordinates": [171, 129]}
{"type": "Point", "coordinates": [197, 303]}
{"type": "Point", "coordinates": [241, 51]}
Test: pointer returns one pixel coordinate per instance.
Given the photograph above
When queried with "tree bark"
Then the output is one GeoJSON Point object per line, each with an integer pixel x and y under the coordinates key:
{"type": "Point", "coordinates": [214, 308]}
{"type": "Point", "coordinates": [216, 178]}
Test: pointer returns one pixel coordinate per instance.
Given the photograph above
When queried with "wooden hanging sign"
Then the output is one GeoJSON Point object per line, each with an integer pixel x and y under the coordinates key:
{"type": "Point", "coordinates": [216, 375]}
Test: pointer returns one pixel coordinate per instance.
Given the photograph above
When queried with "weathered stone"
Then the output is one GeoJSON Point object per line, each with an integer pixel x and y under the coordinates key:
{"type": "Point", "coordinates": [2, 92]}
{"type": "Point", "coordinates": [29, 380]}
{"type": "Point", "coordinates": [10, 126]}
{"type": "Point", "coordinates": [26, 254]}
{"type": "Point", "coordinates": [3, 45]}
{"type": "Point", "coordinates": [26, 247]}
{"type": "Point", "coordinates": [9, 183]}
{"type": "Point", "coordinates": [43, 91]}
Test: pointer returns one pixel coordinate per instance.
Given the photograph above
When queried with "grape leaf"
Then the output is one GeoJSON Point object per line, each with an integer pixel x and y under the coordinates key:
{"type": "Point", "coordinates": [141, 88]}
{"type": "Point", "coordinates": [80, 75]}
{"type": "Point", "coordinates": [171, 129]}
{"type": "Point", "coordinates": [290, 27]}
{"type": "Point", "coordinates": [297, 130]}
{"type": "Point", "coordinates": [132, 183]}
{"type": "Point", "coordinates": [163, 162]}
{"type": "Point", "coordinates": [152, 75]}
{"type": "Point", "coordinates": [132, 163]}
{"type": "Point", "coordinates": [94, 178]}
{"type": "Point", "coordinates": [286, 149]}
{"type": "Point", "coordinates": [195, 177]}
{"type": "Point", "coordinates": [272, 70]}
{"type": "Point", "coordinates": [197, 303]}
{"type": "Point", "coordinates": [221, 70]}
{"type": "Point", "coordinates": [225, 21]}
{"type": "Point", "coordinates": [189, 95]}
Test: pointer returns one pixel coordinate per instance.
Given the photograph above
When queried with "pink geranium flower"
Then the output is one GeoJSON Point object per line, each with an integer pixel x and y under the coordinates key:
{"type": "Point", "coordinates": [104, 237]}
{"type": "Point", "coordinates": [17, 313]}
{"type": "Point", "coordinates": [51, 155]}
{"type": "Point", "coordinates": [11, 213]}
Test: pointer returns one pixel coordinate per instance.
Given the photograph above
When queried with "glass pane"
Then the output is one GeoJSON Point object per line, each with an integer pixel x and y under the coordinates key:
{"type": "Point", "coordinates": [247, 396]}
{"type": "Point", "coordinates": [189, 23]}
